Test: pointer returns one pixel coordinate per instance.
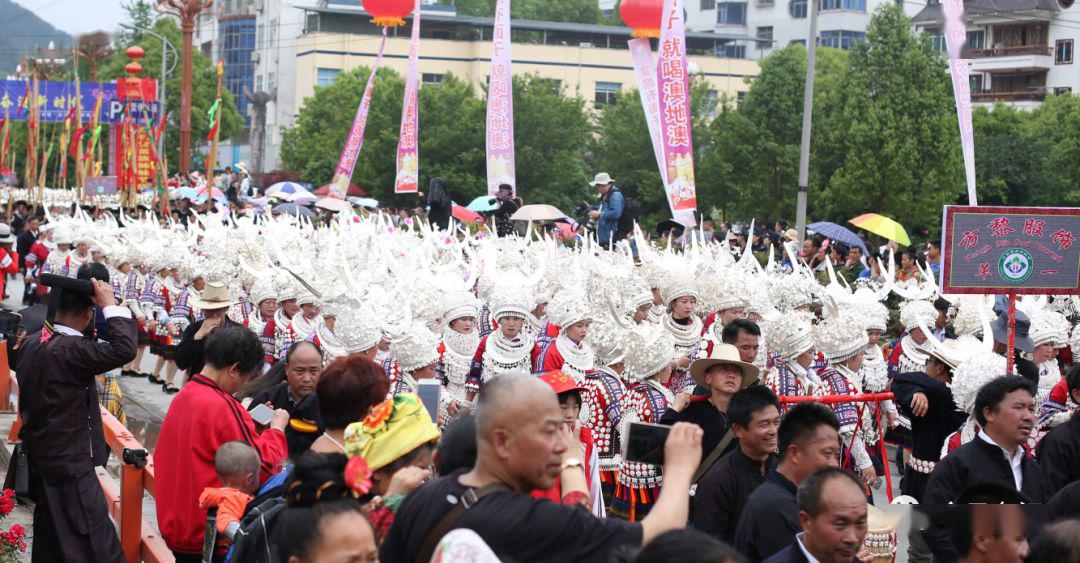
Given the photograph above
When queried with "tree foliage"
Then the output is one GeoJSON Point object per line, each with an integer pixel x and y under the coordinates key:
{"type": "Point", "coordinates": [140, 14]}
{"type": "Point", "coordinates": [203, 89]}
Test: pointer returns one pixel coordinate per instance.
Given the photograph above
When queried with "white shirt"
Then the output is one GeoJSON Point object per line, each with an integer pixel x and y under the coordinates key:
{"type": "Point", "coordinates": [806, 553]}
{"type": "Point", "coordinates": [1014, 459]}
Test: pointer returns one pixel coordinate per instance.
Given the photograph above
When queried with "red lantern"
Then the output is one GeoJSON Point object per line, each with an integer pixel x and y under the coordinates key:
{"type": "Point", "coordinates": [642, 16]}
{"type": "Point", "coordinates": [388, 13]}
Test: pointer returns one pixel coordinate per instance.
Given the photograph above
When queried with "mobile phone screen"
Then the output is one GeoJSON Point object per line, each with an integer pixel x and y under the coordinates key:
{"type": "Point", "coordinates": [262, 414]}
{"type": "Point", "coordinates": [645, 443]}
{"type": "Point", "coordinates": [429, 391]}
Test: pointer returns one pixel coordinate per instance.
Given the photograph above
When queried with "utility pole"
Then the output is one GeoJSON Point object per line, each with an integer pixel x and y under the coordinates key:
{"type": "Point", "coordinates": [186, 11]}
{"type": "Point", "coordinates": [808, 110]}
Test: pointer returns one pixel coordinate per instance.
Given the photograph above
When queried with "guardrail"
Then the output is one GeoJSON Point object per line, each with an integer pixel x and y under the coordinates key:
{"type": "Point", "coordinates": [139, 540]}
{"type": "Point", "coordinates": [1011, 51]}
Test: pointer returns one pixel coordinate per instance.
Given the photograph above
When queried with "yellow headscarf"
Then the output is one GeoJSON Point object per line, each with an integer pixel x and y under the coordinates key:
{"type": "Point", "coordinates": [394, 428]}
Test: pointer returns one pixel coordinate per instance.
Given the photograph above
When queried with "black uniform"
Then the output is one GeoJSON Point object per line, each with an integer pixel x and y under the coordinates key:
{"type": "Point", "coordinates": [979, 462]}
{"type": "Point", "coordinates": [929, 432]}
{"type": "Point", "coordinates": [63, 433]}
{"type": "Point", "coordinates": [190, 354]}
{"type": "Point", "coordinates": [770, 520]}
{"type": "Point", "coordinates": [1059, 455]}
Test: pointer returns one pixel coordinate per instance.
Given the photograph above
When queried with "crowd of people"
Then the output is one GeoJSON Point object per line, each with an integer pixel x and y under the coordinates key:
{"type": "Point", "coordinates": [299, 354]}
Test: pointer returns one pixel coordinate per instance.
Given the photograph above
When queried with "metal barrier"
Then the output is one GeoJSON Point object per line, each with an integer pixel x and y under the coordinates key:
{"type": "Point", "coordinates": [139, 540]}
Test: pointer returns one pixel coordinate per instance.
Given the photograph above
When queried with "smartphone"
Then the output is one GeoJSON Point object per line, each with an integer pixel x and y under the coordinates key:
{"type": "Point", "coordinates": [9, 322]}
{"type": "Point", "coordinates": [645, 443]}
{"type": "Point", "coordinates": [262, 414]}
{"type": "Point", "coordinates": [430, 391]}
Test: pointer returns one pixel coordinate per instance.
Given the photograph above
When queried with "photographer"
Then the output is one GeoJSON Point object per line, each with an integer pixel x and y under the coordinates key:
{"type": "Point", "coordinates": [611, 209]}
{"type": "Point", "coordinates": [62, 429]}
{"type": "Point", "coordinates": [508, 205]}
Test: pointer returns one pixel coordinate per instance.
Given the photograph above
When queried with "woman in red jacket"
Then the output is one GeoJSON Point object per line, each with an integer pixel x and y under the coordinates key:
{"type": "Point", "coordinates": [9, 259]}
{"type": "Point", "coordinates": [202, 417]}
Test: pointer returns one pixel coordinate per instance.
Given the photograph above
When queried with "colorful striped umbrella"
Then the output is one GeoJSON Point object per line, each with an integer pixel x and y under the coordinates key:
{"type": "Point", "coordinates": [883, 226]}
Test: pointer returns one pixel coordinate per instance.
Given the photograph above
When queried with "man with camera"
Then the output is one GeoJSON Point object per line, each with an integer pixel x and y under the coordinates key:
{"type": "Point", "coordinates": [62, 432]}
{"type": "Point", "coordinates": [611, 209]}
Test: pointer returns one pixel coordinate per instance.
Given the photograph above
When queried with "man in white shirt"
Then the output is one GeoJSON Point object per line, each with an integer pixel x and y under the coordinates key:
{"type": "Point", "coordinates": [833, 515]}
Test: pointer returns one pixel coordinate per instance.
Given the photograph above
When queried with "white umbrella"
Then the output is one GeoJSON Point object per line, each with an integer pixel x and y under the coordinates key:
{"type": "Point", "coordinates": [363, 201]}
{"type": "Point", "coordinates": [305, 198]}
{"type": "Point", "coordinates": [333, 204]}
{"type": "Point", "coordinates": [537, 212]}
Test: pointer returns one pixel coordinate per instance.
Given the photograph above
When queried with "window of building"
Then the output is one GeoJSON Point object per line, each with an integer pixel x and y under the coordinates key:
{"type": "Point", "coordinates": [763, 3]}
{"type": "Point", "coordinates": [937, 39]}
{"type": "Point", "coordinates": [1062, 90]}
{"type": "Point", "coordinates": [840, 39]}
{"type": "Point", "coordinates": [708, 4]}
{"type": "Point", "coordinates": [606, 92]}
{"type": "Point", "coordinates": [326, 76]}
{"type": "Point", "coordinates": [270, 33]}
{"type": "Point", "coordinates": [850, 5]}
{"type": "Point", "coordinates": [765, 34]}
{"type": "Point", "coordinates": [710, 103]}
{"type": "Point", "coordinates": [797, 42]}
{"type": "Point", "coordinates": [259, 36]}
{"type": "Point", "coordinates": [1063, 52]}
{"type": "Point", "coordinates": [731, 51]}
{"type": "Point", "coordinates": [258, 83]}
{"type": "Point", "coordinates": [797, 8]}
{"type": "Point", "coordinates": [731, 13]}
{"type": "Point", "coordinates": [975, 82]}
{"type": "Point", "coordinates": [740, 97]}
{"type": "Point", "coordinates": [976, 39]}
{"type": "Point", "coordinates": [432, 78]}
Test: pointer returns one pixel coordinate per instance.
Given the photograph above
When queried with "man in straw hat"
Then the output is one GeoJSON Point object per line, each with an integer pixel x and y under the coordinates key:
{"type": "Point", "coordinates": [611, 209]}
{"type": "Point", "coordinates": [213, 304]}
{"type": "Point", "coordinates": [925, 397]}
{"type": "Point", "coordinates": [723, 373]}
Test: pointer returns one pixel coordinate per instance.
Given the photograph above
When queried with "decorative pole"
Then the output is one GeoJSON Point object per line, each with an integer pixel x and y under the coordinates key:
{"type": "Point", "coordinates": [186, 11]}
{"type": "Point", "coordinates": [215, 131]}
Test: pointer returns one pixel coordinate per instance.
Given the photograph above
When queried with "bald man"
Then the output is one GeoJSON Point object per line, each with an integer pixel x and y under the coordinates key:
{"type": "Point", "coordinates": [522, 445]}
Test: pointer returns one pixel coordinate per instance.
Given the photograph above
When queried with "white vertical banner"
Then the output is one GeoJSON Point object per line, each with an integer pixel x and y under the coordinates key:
{"type": "Point", "coordinates": [960, 70]}
{"type": "Point", "coordinates": [500, 105]}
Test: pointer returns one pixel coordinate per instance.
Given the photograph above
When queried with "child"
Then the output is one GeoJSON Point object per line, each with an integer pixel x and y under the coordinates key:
{"type": "Point", "coordinates": [237, 467]}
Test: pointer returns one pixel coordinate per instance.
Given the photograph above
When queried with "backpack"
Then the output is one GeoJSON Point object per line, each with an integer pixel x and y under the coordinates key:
{"type": "Point", "coordinates": [254, 541]}
{"type": "Point", "coordinates": [631, 210]}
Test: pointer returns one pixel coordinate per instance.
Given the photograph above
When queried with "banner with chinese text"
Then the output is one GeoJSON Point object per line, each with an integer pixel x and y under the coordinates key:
{"type": "Point", "coordinates": [674, 90]}
{"type": "Point", "coordinates": [355, 140]}
{"type": "Point", "coordinates": [996, 250]}
{"type": "Point", "coordinates": [57, 99]}
{"type": "Point", "coordinates": [500, 105]}
{"type": "Point", "coordinates": [407, 178]}
{"type": "Point", "coordinates": [960, 71]}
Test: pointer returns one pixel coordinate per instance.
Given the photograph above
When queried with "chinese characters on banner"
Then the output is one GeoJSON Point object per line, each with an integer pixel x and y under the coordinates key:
{"type": "Point", "coordinates": [955, 40]}
{"type": "Point", "coordinates": [355, 140]}
{"type": "Point", "coordinates": [674, 92]}
{"type": "Point", "coordinates": [500, 105]}
{"type": "Point", "coordinates": [408, 160]}
{"type": "Point", "coordinates": [57, 99]}
{"type": "Point", "coordinates": [996, 250]}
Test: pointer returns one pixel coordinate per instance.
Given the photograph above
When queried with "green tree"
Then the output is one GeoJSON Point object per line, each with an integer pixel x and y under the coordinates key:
{"type": "Point", "coordinates": [1055, 123]}
{"type": "Point", "coordinates": [576, 11]}
{"type": "Point", "coordinates": [140, 14]}
{"type": "Point", "coordinates": [1010, 160]}
{"type": "Point", "coordinates": [203, 90]}
{"type": "Point", "coordinates": [894, 125]}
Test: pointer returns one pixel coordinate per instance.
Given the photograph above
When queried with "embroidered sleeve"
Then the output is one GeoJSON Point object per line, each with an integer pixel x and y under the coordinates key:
{"type": "Point", "coordinates": [475, 380]}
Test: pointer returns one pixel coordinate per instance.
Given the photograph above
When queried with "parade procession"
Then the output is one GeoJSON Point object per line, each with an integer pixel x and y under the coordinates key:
{"type": "Point", "coordinates": [209, 358]}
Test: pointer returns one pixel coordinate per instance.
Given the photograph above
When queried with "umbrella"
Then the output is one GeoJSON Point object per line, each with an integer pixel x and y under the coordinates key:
{"type": "Point", "coordinates": [537, 212]}
{"type": "Point", "coordinates": [484, 203]}
{"type": "Point", "coordinates": [305, 198]}
{"type": "Point", "coordinates": [466, 215]}
{"type": "Point", "coordinates": [333, 204]}
{"type": "Point", "coordinates": [564, 230]}
{"type": "Point", "coordinates": [293, 209]}
{"type": "Point", "coordinates": [185, 193]}
{"type": "Point", "coordinates": [839, 234]}
{"type": "Point", "coordinates": [364, 202]}
{"type": "Point", "coordinates": [212, 192]}
{"type": "Point", "coordinates": [284, 188]}
{"type": "Point", "coordinates": [354, 190]}
{"type": "Point", "coordinates": [883, 226]}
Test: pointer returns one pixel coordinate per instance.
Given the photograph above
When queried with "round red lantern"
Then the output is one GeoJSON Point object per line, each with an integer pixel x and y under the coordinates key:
{"type": "Point", "coordinates": [642, 16]}
{"type": "Point", "coordinates": [388, 13]}
{"type": "Point", "coordinates": [135, 52]}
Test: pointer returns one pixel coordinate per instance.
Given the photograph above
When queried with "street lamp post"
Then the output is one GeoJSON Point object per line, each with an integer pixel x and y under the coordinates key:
{"type": "Point", "coordinates": [808, 110]}
{"type": "Point", "coordinates": [186, 11]}
{"type": "Point", "coordinates": [165, 46]}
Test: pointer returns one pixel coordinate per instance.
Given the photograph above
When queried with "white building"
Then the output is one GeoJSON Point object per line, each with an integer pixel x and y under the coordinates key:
{"type": "Point", "coordinates": [1021, 50]}
{"type": "Point", "coordinates": [780, 23]}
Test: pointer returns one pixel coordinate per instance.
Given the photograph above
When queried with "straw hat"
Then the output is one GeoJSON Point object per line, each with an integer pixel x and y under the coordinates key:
{"type": "Point", "coordinates": [722, 355]}
{"type": "Point", "coordinates": [214, 296]}
{"type": "Point", "coordinates": [601, 178]}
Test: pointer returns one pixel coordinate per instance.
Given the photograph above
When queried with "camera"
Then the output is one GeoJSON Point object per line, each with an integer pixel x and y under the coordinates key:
{"type": "Point", "coordinates": [137, 457]}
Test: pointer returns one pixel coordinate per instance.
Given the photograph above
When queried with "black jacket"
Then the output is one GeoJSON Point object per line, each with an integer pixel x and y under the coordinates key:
{"type": "Point", "coordinates": [979, 462]}
{"type": "Point", "coordinates": [793, 554]}
{"type": "Point", "coordinates": [928, 432]}
{"type": "Point", "coordinates": [1059, 455]}
{"type": "Point", "coordinates": [22, 245]}
{"type": "Point", "coordinates": [770, 520]}
{"type": "Point", "coordinates": [723, 491]}
{"type": "Point", "coordinates": [59, 398]}
{"type": "Point", "coordinates": [190, 354]}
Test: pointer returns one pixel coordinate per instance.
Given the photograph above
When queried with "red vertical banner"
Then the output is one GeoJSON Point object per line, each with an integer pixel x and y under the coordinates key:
{"type": "Point", "coordinates": [674, 87]}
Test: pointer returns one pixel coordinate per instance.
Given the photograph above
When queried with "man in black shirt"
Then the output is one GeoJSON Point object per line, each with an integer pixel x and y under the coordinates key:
{"type": "Point", "coordinates": [927, 400]}
{"type": "Point", "coordinates": [1005, 411]}
{"type": "Point", "coordinates": [522, 446]}
{"type": "Point", "coordinates": [508, 205]}
{"type": "Point", "coordinates": [808, 440]}
{"type": "Point", "coordinates": [722, 492]}
{"type": "Point", "coordinates": [214, 304]}
{"type": "Point", "coordinates": [833, 516]}
{"type": "Point", "coordinates": [720, 369]}
{"type": "Point", "coordinates": [1059, 450]}
{"type": "Point", "coordinates": [296, 395]}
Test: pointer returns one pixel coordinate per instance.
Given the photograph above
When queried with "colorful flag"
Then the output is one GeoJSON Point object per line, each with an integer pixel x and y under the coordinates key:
{"type": "Point", "coordinates": [674, 86]}
{"type": "Point", "coordinates": [500, 106]}
{"type": "Point", "coordinates": [407, 178]}
{"type": "Point", "coordinates": [355, 141]}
